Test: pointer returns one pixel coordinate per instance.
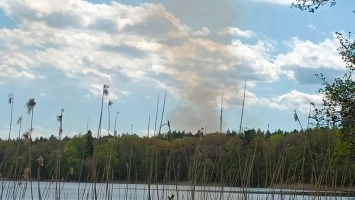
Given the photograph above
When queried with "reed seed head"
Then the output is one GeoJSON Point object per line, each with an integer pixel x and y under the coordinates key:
{"type": "Point", "coordinates": [26, 173]}
{"type": "Point", "coordinates": [40, 161]}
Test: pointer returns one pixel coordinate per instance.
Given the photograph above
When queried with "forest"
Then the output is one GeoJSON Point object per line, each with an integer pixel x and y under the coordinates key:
{"type": "Point", "coordinates": [254, 158]}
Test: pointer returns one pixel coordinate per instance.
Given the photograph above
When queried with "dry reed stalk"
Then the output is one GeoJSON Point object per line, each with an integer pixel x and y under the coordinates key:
{"type": "Point", "coordinates": [105, 92]}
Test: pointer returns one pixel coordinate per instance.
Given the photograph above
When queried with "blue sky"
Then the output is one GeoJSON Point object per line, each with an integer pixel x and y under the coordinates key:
{"type": "Point", "coordinates": [62, 52]}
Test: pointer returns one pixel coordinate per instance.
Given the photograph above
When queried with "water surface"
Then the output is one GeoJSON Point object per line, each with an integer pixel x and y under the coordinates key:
{"type": "Point", "coordinates": [83, 191]}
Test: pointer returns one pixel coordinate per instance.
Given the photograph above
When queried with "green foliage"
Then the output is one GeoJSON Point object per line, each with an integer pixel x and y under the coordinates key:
{"type": "Point", "coordinates": [338, 109]}
{"type": "Point", "coordinates": [343, 147]}
{"type": "Point", "coordinates": [249, 135]}
{"type": "Point", "coordinates": [235, 160]}
{"type": "Point", "coordinates": [73, 154]}
{"type": "Point", "coordinates": [311, 5]}
{"type": "Point", "coordinates": [339, 97]}
{"type": "Point", "coordinates": [89, 146]}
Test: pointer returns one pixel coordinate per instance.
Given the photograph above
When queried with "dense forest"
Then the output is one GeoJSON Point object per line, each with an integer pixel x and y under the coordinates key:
{"type": "Point", "coordinates": [252, 158]}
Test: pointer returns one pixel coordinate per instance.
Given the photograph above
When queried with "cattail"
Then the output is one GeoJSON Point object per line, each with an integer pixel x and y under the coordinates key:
{"type": "Point", "coordinates": [312, 104]}
{"type": "Point", "coordinates": [27, 137]}
{"type": "Point", "coordinates": [19, 120]}
{"type": "Point", "coordinates": [105, 90]}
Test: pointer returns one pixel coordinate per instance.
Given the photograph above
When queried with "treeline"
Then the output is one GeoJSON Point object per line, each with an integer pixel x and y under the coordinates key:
{"type": "Point", "coordinates": [252, 158]}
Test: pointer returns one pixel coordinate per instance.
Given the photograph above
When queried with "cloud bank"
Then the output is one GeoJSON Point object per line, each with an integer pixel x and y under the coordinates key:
{"type": "Point", "coordinates": [146, 44]}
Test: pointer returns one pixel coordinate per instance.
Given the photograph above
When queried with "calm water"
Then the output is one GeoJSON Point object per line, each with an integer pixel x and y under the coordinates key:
{"type": "Point", "coordinates": [82, 191]}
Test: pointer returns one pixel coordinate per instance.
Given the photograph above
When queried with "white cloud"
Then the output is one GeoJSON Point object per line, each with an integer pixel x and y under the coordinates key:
{"type": "Point", "coordinates": [15, 64]}
{"type": "Point", "coordinates": [282, 2]}
{"type": "Point", "coordinates": [237, 32]}
{"type": "Point", "coordinates": [131, 40]}
{"type": "Point", "coordinates": [118, 45]}
{"type": "Point", "coordinates": [306, 54]}
{"type": "Point", "coordinates": [306, 58]}
{"type": "Point", "coordinates": [79, 48]}
{"type": "Point", "coordinates": [37, 132]}
{"type": "Point", "coordinates": [293, 100]}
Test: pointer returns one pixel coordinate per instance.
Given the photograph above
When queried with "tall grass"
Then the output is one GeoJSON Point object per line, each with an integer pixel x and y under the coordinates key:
{"type": "Point", "coordinates": [229, 165]}
{"type": "Point", "coordinates": [207, 172]}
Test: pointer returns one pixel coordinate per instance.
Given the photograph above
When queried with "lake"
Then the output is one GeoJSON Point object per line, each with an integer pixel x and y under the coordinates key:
{"type": "Point", "coordinates": [83, 191]}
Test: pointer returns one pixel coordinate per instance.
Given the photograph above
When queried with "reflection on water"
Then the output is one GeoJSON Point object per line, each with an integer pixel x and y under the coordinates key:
{"type": "Point", "coordinates": [83, 191]}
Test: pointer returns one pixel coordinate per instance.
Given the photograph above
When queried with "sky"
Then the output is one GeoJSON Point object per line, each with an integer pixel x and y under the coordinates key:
{"type": "Point", "coordinates": [199, 52]}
